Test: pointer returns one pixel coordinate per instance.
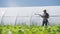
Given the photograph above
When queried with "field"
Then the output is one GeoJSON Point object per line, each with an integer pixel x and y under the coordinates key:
{"type": "Point", "coordinates": [25, 29]}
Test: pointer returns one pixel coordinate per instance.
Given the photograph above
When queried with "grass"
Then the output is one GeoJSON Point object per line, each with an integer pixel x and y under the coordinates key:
{"type": "Point", "coordinates": [33, 29]}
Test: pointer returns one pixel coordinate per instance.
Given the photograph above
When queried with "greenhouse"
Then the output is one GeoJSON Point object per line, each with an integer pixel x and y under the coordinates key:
{"type": "Point", "coordinates": [26, 15]}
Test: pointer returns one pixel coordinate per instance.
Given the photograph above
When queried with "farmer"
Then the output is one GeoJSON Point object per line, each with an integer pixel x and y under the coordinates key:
{"type": "Point", "coordinates": [45, 17]}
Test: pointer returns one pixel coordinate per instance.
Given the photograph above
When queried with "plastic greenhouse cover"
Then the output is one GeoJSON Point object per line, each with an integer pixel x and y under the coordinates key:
{"type": "Point", "coordinates": [12, 15]}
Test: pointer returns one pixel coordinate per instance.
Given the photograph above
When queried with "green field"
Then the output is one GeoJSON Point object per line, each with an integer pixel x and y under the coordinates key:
{"type": "Point", "coordinates": [25, 29]}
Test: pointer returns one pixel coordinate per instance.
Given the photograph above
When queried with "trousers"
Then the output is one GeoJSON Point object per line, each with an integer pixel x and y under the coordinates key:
{"type": "Point", "coordinates": [45, 22]}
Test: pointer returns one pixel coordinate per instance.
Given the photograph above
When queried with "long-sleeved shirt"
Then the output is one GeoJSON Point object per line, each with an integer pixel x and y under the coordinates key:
{"type": "Point", "coordinates": [45, 16]}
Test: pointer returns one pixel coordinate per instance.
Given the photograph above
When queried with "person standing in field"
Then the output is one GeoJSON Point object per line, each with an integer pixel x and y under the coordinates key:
{"type": "Point", "coordinates": [45, 17]}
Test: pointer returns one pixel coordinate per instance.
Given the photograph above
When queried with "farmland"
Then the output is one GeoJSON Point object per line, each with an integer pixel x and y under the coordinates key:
{"type": "Point", "coordinates": [25, 29]}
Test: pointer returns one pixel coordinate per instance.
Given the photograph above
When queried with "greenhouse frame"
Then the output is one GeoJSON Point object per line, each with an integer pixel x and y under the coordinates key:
{"type": "Point", "coordinates": [26, 15]}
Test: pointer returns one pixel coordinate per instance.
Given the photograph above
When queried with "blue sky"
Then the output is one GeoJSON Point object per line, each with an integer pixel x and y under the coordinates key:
{"type": "Point", "coordinates": [23, 3]}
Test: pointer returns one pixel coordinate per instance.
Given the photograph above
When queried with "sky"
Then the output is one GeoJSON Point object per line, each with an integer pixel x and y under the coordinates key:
{"type": "Point", "coordinates": [29, 3]}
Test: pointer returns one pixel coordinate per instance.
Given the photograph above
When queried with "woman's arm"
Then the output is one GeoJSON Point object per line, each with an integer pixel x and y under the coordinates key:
{"type": "Point", "coordinates": [39, 15]}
